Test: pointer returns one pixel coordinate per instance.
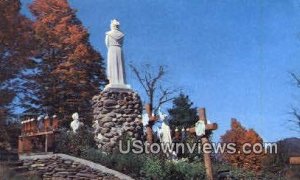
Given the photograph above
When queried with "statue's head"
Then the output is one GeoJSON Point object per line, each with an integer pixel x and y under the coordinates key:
{"type": "Point", "coordinates": [161, 115]}
{"type": "Point", "coordinates": [114, 24]}
{"type": "Point", "coordinates": [41, 117]}
{"type": "Point", "coordinates": [75, 116]}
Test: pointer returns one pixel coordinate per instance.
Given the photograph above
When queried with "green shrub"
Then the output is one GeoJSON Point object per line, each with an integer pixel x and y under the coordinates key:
{"type": "Point", "coordinates": [157, 167]}
{"type": "Point", "coordinates": [235, 172]}
{"type": "Point", "coordinates": [146, 165]}
{"type": "Point", "coordinates": [127, 163]}
{"type": "Point", "coordinates": [130, 163]}
{"type": "Point", "coordinates": [74, 143]}
{"type": "Point", "coordinates": [153, 168]}
{"type": "Point", "coordinates": [97, 156]}
{"type": "Point", "coordinates": [190, 170]}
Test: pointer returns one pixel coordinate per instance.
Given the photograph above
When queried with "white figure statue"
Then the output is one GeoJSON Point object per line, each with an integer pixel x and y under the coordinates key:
{"type": "Point", "coordinates": [40, 122]}
{"type": "Point", "coordinates": [96, 126]}
{"type": "Point", "coordinates": [165, 135]}
{"type": "Point", "coordinates": [115, 59]}
{"type": "Point", "coordinates": [75, 124]}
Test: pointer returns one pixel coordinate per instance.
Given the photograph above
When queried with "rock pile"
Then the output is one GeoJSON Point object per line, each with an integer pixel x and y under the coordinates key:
{"type": "Point", "coordinates": [59, 168]}
{"type": "Point", "coordinates": [117, 113]}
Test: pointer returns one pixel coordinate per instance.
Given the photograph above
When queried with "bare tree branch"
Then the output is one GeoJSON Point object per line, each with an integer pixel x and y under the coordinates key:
{"type": "Point", "coordinates": [296, 119]}
{"type": "Point", "coordinates": [296, 78]}
{"type": "Point", "coordinates": [141, 80]}
{"type": "Point", "coordinates": [150, 80]}
{"type": "Point", "coordinates": [161, 72]}
{"type": "Point", "coordinates": [295, 112]}
{"type": "Point", "coordinates": [166, 96]}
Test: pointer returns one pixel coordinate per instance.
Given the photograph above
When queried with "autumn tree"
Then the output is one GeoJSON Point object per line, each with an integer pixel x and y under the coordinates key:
{"type": "Point", "coordinates": [182, 114]}
{"type": "Point", "coordinates": [239, 135]}
{"type": "Point", "coordinates": [15, 52]}
{"type": "Point", "coordinates": [151, 79]}
{"type": "Point", "coordinates": [69, 70]}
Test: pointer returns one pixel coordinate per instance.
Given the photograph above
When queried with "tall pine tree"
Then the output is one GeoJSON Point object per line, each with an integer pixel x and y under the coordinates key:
{"type": "Point", "coordinates": [182, 113]}
{"type": "Point", "coordinates": [69, 71]}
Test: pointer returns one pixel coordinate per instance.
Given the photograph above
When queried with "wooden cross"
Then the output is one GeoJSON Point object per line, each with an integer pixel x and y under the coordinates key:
{"type": "Point", "coordinates": [205, 140]}
{"type": "Point", "coordinates": [152, 119]}
{"type": "Point", "coordinates": [294, 160]}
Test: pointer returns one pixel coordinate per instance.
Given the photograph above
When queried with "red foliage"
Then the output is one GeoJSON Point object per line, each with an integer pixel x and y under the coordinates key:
{"type": "Point", "coordinates": [240, 135]}
{"type": "Point", "coordinates": [15, 49]}
{"type": "Point", "coordinates": [70, 68]}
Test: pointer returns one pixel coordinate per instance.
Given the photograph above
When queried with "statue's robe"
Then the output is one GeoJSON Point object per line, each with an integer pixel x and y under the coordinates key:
{"type": "Point", "coordinates": [115, 59]}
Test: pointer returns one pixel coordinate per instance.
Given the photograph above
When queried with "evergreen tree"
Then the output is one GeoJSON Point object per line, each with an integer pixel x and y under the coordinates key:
{"type": "Point", "coordinates": [69, 70]}
{"type": "Point", "coordinates": [182, 113]}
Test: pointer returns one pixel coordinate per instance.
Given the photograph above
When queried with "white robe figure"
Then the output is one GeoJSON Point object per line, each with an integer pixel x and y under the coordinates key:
{"type": "Point", "coordinates": [75, 124]}
{"type": "Point", "coordinates": [165, 135]}
{"type": "Point", "coordinates": [40, 123]}
{"type": "Point", "coordinates": [164, 132]}
{"type": "Point", "coordinates": [115, 59]}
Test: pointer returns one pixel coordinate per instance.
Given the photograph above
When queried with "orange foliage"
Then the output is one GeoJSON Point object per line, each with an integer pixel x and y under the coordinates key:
{"type": "Point", "coordinates": [15, 39]}
{"type": "Point", "coordinates": [15, 49]}
{"type": "Point", "coordinates": [70, 64]}
{"type": "Point", "coordinates": [240, 135]}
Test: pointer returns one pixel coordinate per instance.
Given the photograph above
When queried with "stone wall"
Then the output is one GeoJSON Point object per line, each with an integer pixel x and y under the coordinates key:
{"type": "Point", "coordinates": [117, 113]}
{"type": "Point", "coordinates": [59, 168]}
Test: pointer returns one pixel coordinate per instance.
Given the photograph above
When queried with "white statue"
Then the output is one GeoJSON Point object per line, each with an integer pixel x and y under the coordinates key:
{"type": "Point", "coordinates": [165, 132]}
{"type": "Point", "coordinates": [115, 59]}
{"type": "Point", "coordinates": [165, 135]}
{"type": "Point", "coordinates": [40, 123]}
{"type": "Point", "coordinates": [96, 126]}
{"type": "Point", "coordinates": [75, 124]}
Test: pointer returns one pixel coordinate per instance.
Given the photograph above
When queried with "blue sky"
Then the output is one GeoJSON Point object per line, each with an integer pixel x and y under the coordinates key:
{"type": "Point", "coordinates": [232, 57]}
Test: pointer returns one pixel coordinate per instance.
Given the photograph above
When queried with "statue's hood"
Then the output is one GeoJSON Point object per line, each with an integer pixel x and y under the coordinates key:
{"type": "Point", "coordinates": [115, 34]}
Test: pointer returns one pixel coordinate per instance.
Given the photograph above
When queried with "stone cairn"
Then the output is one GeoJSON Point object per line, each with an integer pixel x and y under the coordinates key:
{"type": "Point", "coordinates": [117, 114]}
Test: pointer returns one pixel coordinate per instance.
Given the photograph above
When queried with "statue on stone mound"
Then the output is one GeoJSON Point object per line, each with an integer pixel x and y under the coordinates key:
{"type": "Point", "coordinates": [117, 109]}
{"type": "Point", "coordinates": [115, 59]}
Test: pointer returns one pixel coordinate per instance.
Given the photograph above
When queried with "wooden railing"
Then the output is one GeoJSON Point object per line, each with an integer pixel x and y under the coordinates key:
{"type": "Point", "coordinates": [37, 136]}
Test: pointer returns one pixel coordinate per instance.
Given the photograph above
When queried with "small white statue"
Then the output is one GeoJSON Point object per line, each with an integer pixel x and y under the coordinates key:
{"type": "Point", "coordinates": [96, 126]}
{"type": "Point", "coordinates": [40, 123]}
{"type": "Point", "coordinates": [75, 124]}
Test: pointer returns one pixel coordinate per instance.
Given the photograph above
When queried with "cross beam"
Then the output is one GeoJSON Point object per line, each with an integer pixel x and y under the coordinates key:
{"type": "Point", "coordinates": [294, 160]}
{"type": "Point", "coordinates": [205, 140]}
{"type": "Point", "coordinates": [152, 119]}
{"type": "Point", "coordinates": [208, 127]}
